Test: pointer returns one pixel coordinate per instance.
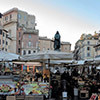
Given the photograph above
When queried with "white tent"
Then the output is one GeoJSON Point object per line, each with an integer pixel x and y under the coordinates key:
{"type": "Point", "coordinates": [45, 55]}
{"type": "Point", "coordinates": [28, 63]}
{"type": "Point", "coordinates": [81, 62]}
{"type": "Point", "coordinates": [60, 61]}
{"type": "Point", "coordinates": [5, 56]}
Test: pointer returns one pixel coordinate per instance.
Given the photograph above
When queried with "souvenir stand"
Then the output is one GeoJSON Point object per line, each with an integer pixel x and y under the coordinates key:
{"type": "Point", "coordinates": [47, 56]}
{"type": "Point", "coordinates": [86, 79]}
{"type": "Point", "coordinates": [6, 79]}
{"type": "Point", "coordinates": [31, 81]}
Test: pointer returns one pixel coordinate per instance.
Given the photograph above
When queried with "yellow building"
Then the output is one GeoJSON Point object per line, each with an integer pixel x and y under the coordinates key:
{"type": "Point", "coordinates": [97, 48]}
{"type": "Point", "coordinates": [65, 47]}
{"type": "Point", "coordinates": [48, 44]}
{"type": "Point", "coordinates": [45, 44]}
{"type": "Point", "coordinates": [84, 47]}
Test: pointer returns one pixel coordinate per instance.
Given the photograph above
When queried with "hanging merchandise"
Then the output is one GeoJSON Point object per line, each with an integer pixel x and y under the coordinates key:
{"type": "Point", "coordinates": [27, 68]}
{"type": "Point", "coordinates": [33, 69]}
{"type": "Point", "coordinates": [22, 68]}
{"type": "Point", "coordinates": [94, 96]}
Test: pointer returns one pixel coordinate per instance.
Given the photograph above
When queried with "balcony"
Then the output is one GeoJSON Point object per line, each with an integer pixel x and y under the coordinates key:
{"type": "Point", "coordinates": [9, 22]}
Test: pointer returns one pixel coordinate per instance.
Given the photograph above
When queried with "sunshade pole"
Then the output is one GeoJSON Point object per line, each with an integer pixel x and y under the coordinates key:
{"type": "Point", "coordinates": [49, 74]}
{"type": "Point", "coordinates": [43, 67]}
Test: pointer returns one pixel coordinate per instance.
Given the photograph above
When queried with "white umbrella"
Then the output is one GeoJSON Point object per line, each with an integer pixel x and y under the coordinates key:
{"type": "Point", "coordinates": [5, 56]}
{"type": "Point", "coordinates": [45, 55]}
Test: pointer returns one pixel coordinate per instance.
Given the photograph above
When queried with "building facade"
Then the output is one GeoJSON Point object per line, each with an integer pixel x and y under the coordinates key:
{"type": "Point", "coordinates": [97, 48]}
{"type": "Point", "coordinates": [1, 29]}
{"type": "Point", "coordinates": [4, 38]}
{"type": "Point", "coordinates": [20, 36]}
{"type": "Point", "coordinates": [29, 42]}
{"type": "Point", "coordinates": [48, 44]}
{"type": "Point", "coordinates": [45, 44]}
{"type": "Point", "coordinates": [65, 46]}
{"type": "Point", "coordinates": [17, 23]}
{"type": "Point", "coordinates": [84, 47]}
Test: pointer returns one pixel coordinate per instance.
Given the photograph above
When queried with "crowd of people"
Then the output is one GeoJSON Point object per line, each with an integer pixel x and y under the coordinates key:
{"type": "Point", "coordinates": [68, 82]}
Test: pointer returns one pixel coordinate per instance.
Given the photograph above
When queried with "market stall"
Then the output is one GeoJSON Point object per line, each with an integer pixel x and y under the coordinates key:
{"type": "Point", "coordinates": [85, 78]}
{"type": "Point", "coordinates": [36, 88]}
{"type": "Point", "coordinates": [7, 87]}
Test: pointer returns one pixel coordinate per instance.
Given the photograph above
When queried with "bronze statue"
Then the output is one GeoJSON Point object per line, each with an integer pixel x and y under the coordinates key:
{"type": "Point", "coordinates": [57, 41]}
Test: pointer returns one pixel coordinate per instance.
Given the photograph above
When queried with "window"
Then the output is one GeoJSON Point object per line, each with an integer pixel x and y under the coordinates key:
{"type": "Point", "coordinates": [19, 42]}
{"type": "Point", "coordinates": [29, 52]}
{"type": "Point", "coordinates": [3, 34]}
{"type": "Point", "coordinates": [88, 54]}
{"type": "Point", "coordinates": [2, 48]}
{"type": "Point", "coordinates": [25, 18]}
{"type": "Point", "coordinates": [24, 52]}
{"type": "Point", "coordinates": [3, 41]}
{"type": "Point", "coordinates": [26, 23]}
{"type": "Point", "coordinates": [88, 42]}
{"type": "Point", "coordinates": [34, 51]}
{"type": "Point", "coordinates": [0, 32]}
{"type": "Point", "coordinates": [96, 49]}
{"type": "Point", "coordinates": [6, 43]}
{"type": "Point", "coordinates": [18, 50]}
{"type": "Point", "coordinates": [19, 16]}
{"type": "Point", "coordinates": [88, 48]}
{"type": "Point", "coordinates": [29, 44]}
{"type": "Point", "coordinates": [10, 16]}
{"type": "Point", "coordinates": [29, 36]}
{"type": "Point", "coordinates": [6, 35]}
{"type": "Point", "coordinates": [19, 34]}
{"type": "Point", "coordinates": [6, 18]}
{"type": "Point", "coordinates": [9, 33]}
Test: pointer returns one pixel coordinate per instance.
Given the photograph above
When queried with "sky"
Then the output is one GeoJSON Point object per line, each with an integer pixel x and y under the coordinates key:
{"type": "Point", "coordinates": [70, 17]}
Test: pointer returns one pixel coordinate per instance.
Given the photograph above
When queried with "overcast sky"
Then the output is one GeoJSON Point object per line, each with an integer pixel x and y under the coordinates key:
{"type": "Point", "coordinates": [70, 17]}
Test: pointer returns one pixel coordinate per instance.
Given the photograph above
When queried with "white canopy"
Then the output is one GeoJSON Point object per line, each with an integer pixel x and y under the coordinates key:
{"type": "Point", "coordinates": [5, 56]}
{"type": "Point", "coordinates": [28, 63]}
{"type": "Point", "coordinates": [60, 61]}
{"type": "Point", "coordinates": [45, 55]}
{"type": "Point", "coordinates": [80, 62]}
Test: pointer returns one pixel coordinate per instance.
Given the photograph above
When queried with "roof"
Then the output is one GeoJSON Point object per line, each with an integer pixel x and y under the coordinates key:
{"type": "Point", "coordinates": [31, 31]}
{"type": "Point", "coordinates": [65, 43]}
{"type": "Point", "coordinates": [16, 9]}
{"type": "Point", "coordinates": [13, 9]}
{"type": "Point", "coordinates": [44, 38]}
{"type": "Point", "coordinates": [49, 54]}
{"type": "Point", "coordinates": [5, 56]}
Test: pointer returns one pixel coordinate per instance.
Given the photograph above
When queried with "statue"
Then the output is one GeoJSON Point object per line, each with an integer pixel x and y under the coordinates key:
{"type": "Point", "coordinates": [57, 41]}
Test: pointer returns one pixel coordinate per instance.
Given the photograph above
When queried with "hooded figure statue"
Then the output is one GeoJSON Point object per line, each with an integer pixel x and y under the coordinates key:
{"type": "Point", "coordinates": [57, 41]}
